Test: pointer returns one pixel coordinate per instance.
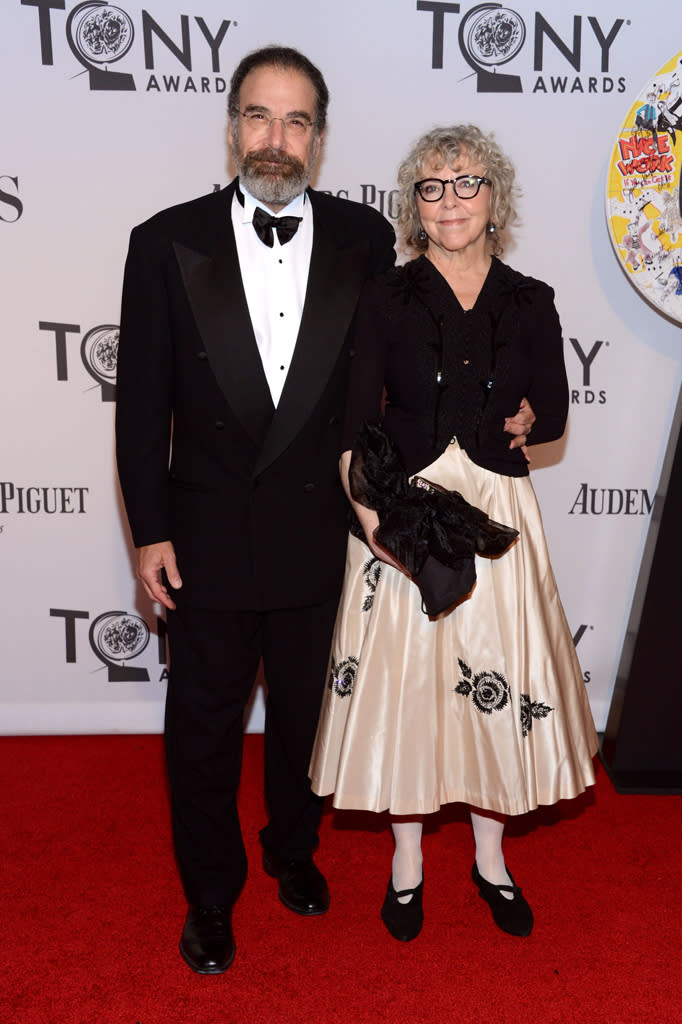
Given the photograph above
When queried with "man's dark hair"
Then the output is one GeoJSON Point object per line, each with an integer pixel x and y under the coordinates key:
{"type": "Point", "coordinates": [289, 59]}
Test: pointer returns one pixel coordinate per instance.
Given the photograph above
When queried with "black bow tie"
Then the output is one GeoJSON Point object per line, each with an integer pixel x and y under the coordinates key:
{"type": "Point", "coordinates": [263, 223]}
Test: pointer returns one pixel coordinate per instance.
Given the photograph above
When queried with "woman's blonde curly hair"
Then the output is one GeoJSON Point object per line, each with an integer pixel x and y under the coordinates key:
{"type": "Point", "coordinates": [446, 145]}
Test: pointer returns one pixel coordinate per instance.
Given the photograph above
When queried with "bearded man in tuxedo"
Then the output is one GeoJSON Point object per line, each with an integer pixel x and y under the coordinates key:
{"type": "Point", "coordinates": [232, 368]}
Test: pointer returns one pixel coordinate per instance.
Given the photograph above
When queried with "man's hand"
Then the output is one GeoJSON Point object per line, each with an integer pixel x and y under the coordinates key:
{"type": "Point", "coordinates": [520, 425]}
{"type": "Point", "coordinates": [150, 561]}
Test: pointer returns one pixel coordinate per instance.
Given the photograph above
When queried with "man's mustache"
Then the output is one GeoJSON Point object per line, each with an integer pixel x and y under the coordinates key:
{"type": "Point", "coordinates": [254, 160]}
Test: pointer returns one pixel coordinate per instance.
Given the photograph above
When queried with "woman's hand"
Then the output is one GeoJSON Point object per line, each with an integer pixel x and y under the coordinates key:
{"type": "Point", "coordinates": [383, 554]}
{"type": "Point", "coordinates": [368, 519]}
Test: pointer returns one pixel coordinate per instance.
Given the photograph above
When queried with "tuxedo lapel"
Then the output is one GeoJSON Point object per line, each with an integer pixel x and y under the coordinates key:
{"type": "Point", "coordinates": [214, 288]}
{"type": "Point", "coordinates": [334, 281]}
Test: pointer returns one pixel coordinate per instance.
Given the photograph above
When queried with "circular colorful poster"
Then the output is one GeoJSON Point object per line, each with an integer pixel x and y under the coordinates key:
{"type": "Point", "coordinates": [643, 196]}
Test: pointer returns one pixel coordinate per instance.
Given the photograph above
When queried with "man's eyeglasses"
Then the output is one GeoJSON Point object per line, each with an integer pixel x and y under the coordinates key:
{"type": "Point", "coordinates": [466, 186]}
{"type": "Point", "coordinates": [259, 122]}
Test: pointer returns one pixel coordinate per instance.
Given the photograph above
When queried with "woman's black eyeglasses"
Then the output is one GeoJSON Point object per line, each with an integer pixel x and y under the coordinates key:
{"type": "Point", "coordinates": [466, 186]}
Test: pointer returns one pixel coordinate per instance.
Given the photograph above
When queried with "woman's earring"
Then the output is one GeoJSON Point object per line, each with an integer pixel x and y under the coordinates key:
{"type": "Point", "coordinates": [421, 235]}
{"type": "Point", "coordinates": [491, 228]}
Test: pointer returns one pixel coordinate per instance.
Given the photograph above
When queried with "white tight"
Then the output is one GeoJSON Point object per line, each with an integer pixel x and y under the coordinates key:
{"type": "Point", "coordinates": [407, 859]}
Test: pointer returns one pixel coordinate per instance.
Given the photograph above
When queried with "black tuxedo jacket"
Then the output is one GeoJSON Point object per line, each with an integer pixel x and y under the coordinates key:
{"type": "Point", "coordinates": [249, 495]}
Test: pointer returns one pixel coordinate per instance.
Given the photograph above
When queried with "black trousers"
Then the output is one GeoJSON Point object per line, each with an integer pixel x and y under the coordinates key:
{"type": "Point", "coordinates": [214, 657]}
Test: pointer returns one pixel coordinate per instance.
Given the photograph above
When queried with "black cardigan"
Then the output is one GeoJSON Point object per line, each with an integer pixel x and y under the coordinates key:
{"type": "Point", "coordinates": [455, 373]}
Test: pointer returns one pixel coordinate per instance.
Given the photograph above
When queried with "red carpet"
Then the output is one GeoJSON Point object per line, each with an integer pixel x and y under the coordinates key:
{"type": "Point", "coordinates": [92, 910]}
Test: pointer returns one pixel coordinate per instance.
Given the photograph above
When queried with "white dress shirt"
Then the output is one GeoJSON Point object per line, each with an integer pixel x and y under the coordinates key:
{"type": "Point", "coordinates": [275, 281]}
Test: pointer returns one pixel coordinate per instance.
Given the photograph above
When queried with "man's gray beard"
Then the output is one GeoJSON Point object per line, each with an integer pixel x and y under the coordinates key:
{"type": "Point", "coordinates": [272, 189]}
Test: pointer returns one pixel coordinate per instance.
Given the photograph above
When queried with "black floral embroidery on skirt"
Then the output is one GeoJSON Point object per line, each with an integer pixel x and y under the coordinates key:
{"type": "Point", "coordinates": [488, 690]}
{"type": "Point", "coordinates": [342, 676]}
{"type": "Point", "coordinates": [372, 572]}
{"type": "Point", "coordinates": [531, 709]}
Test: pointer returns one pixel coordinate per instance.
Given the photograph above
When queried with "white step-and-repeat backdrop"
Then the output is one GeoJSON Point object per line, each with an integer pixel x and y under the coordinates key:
{"type": "Point", "coordinates": [111, 112]}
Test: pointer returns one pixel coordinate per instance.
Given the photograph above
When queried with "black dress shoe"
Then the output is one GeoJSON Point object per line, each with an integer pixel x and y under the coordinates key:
{"type": "Point", "coordinates": [302, 886]}
{"type": "Point", "coordinates": [207, 943]}
{"type": "Point", "coordinates": [403, 920]}
{"type": "Point", "coordinates": [513, 916]}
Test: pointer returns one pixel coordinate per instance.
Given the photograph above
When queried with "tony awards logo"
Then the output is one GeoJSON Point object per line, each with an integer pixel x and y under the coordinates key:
{"type": "Point", "coordinates": [489, 36]}
{"type": "Point", "coordinates": [118, 637]}
{"type": "Point", "coordinates": [100, 34]}
{"type": "Point", "coordinates": [99, 352]}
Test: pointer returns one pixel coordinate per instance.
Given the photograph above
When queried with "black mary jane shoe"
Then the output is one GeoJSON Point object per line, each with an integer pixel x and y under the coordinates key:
{"type": "Point", "coordinates": [302, 886]}
{"type": "Point", "coordinates": [403, 920]}
{"type": "Point", "coordinates": [207, 944]}
{"type": "Point", "coordinates": [513, 916]}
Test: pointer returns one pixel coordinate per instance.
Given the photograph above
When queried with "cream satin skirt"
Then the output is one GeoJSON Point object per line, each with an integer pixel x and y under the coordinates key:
{"type": "Point", "coordinates": [485, 705]}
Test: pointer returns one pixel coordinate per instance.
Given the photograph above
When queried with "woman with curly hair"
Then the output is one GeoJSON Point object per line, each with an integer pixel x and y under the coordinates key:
{"type": "Point", "coordinates": [453, 675]}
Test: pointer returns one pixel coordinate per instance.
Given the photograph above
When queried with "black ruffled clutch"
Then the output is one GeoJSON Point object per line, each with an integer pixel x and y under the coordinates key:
{"type": "Point", "coordinates": [432, 533]}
